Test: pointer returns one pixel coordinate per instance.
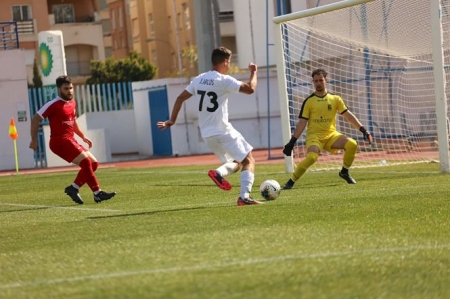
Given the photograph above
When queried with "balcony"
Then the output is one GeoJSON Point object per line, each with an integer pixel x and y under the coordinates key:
{"type": "Point", "coordinates": [25, 27]}
{"type": "Point", "coordinates": [8, 36]}
{"type": "Point", "coordinates": [226, 16]}
{"type": "Point", "coordinates": [226, 21]}
{"type": "Point", "coordinates": [70, 19]}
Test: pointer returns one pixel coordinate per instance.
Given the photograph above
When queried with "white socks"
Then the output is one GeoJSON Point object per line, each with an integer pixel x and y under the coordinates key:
{"type": "Point", "coordinates": [247, 179]}
{"type": "Point", "coordinates": [228, 168]}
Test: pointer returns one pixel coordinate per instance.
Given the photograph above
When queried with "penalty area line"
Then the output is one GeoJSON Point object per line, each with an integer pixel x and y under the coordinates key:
{"type": "Point", "coordinates": [57, 207]}
{"type": "Point", "coordinates": [305, 256]}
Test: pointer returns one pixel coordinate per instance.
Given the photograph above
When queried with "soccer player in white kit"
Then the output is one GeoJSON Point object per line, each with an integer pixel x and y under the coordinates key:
{"type": "Point", "coordinates": [211, 90]}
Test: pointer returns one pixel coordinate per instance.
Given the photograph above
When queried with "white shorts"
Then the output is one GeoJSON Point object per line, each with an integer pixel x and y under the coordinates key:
{"type": "Point", "coordinates": [229, 147]}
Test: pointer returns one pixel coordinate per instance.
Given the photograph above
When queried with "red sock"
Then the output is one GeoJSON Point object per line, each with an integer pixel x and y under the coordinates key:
{"type": "Point", "coordinates": [87, 175]}
{"type": "Point", "coordinates": [80, 180]}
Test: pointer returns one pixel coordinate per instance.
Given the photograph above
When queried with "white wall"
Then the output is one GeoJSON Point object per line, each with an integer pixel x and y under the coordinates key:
{"type": "Point", "coordinates": [14, 98]}
{"type": "Point", "coordinates": [302, 5]}
{"type": "Point", "coordinates": [101, 148]}
{"type": "Point", "coordinates": [225, 5]}
{"type": "Point", "coordinates": [129, 131]}
{"type": "Point", "coordinates": [142, 112]}
{"type": "Point", "coordinates": [248, 114]}
{"type": "Point", "coordinates": [120, 126]}
{"type": "Point", "coordinates": [83, 34]}
{"type": "Point", "coordinates": [111, 133]}
{"type": "Point", "coordinates": [246, 39]}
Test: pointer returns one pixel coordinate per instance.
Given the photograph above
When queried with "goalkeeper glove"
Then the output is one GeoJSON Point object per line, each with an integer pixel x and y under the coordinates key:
{"type": "Point", "coordinates": [366, 135]}
{"type": "Point", "coordinates": [287, 149]}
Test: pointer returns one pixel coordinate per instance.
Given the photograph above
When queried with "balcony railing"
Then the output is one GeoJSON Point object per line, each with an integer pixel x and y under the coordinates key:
{"type": "Point", "coordinates": [9, 37]}
{"type": "Point", "coordinates": [226, 16]}
{"type": "Point", "coordinates": [58, 19]}
{"type": "Point", "coordinates": [80, 19]}
{"type": "Point", "coordinates": [25, 27]}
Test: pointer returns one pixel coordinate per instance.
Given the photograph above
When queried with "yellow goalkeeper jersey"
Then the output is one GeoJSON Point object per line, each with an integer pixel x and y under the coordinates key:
{"type": "Point", "coordinates": [321, 114]}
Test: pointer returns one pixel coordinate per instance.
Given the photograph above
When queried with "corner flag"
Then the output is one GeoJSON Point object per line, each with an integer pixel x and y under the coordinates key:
{"type": "Point", "coordinates": [13, 134]}
{"type": "Point", "coordinates": [12, 130]}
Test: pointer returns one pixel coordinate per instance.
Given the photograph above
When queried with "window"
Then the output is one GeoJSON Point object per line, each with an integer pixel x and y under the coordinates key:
{"type": "Point", "coordinates": [64, 13]}
{"type": "Point", "coordinates": [113, 19]}
{"type": "Point", "coordinates": [154, 57]}
{"type": "Point", "coordinates": [21, 13]}
{"type": "Point", "coordinates": [179, 21]}
{"type": "Point", "coordinates": [151, 26]}
{"type": "Point", "coordinates": [135, 24]}
{"type": "Point", "coordinates": [186, 17]}
{"type": "Point", "coordinates": [120, 18]}
{"type": "Point", "coordinates": [106, 25]}
{"type": "Point", "coordinates": [174, 60]}
{"type": "Point", "coordinates": [226, 16]}
{"type": "Point", "coordinates": [108, 52]}
{"type": "Point", "coordinates": [103, 4]}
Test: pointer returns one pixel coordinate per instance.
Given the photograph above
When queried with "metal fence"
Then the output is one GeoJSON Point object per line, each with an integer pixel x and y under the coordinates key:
{"type": "Point", "coordinates": [89, 98]}
{"type": "Point", "coordinates": [9, 37]}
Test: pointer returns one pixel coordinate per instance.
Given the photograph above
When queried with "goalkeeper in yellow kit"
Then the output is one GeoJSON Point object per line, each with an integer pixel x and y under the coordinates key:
{"type": "Point", "coordinates": [319, 113]}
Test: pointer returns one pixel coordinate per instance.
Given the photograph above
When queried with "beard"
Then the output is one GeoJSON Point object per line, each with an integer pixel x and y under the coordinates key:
{"type": "Point", "coordinates": [66, 97]}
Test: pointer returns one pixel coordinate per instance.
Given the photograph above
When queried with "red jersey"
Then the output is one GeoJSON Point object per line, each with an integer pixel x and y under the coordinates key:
{"type": "Point", "coordinates": [61, 116]}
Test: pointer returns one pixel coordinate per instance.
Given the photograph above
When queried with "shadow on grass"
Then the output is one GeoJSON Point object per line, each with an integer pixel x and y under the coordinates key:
{"type": "Point", "coordinates": [43, 208]}
{"type": "Point", "coordinates": [26, 210]}
{"type": "Point", "coordinates": [158, 211]}
{"type": "Point", "coordinates": [171, 185]}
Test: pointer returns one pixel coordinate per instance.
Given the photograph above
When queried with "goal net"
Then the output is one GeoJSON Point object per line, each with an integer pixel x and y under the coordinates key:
{"type": "Point", "coordinates": [381, 58]}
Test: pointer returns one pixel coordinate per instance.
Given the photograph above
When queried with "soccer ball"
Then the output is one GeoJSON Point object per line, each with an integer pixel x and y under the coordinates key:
{"type": "Point", "coordinates": [270, 189]}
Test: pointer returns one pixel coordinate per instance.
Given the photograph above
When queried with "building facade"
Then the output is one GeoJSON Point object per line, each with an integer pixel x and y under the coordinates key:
{"type": "Point", "coordinates": [79, 20]}
{"type": "Point", "coordinates": [162, 31]}
{"type": "Point", "coordinates": [119, 16]}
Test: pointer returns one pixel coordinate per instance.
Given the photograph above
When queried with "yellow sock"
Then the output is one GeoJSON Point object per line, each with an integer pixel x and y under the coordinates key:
{"type": "Point", "coordinates": [350, 153]}
{"type": "Point", "coordinates": [301, 167]}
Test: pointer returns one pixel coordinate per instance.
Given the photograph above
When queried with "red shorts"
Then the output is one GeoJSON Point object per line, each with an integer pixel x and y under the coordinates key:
{"type": "Point", "coordinates": [66, 148]}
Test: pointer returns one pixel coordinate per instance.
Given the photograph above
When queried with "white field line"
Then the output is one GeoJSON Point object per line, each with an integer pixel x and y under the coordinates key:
{"type": "Point", "coordinates": [305, 256]}
{"type": "Point", "coordinates": [56, 207]}
{"type": "Point", "coordinates": [258, 173]}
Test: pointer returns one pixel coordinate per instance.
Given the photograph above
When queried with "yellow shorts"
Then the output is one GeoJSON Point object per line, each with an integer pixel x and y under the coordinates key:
{"type": "Point", "coordinates": [324, 143]}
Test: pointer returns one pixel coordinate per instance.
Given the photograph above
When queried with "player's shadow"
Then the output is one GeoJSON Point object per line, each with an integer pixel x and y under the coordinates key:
{"type": "Point", "coordinates": [25, 210]}
{"type": "Point", "coordinates": [171, 185]}
{"type": "Point", "coordinates": [155, 212]}
{"type": "Point", "coordinates": [40, 208]}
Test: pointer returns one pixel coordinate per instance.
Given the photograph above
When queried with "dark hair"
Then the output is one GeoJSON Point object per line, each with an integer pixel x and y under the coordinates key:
{"type": "Point", "coordinates": [219, 55]}
{"type": "Point", "coordinates": [319, 72]}
{"type": "Point", "coordinates": [63, 80]}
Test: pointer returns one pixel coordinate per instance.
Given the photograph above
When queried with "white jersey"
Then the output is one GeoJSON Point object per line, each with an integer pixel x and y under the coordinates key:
{"type": "Point", "coordinates": [211, 91]}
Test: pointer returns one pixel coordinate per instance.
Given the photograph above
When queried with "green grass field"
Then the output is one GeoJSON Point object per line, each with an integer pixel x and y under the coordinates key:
{"type": "Point", "coordinates": [171, 233]}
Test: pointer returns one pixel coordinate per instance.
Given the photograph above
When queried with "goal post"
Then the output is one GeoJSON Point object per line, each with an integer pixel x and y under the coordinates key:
{"type": "Point", "coordinates": [440, 81]}
{"type": "Point", "coordinates": [390, 62]}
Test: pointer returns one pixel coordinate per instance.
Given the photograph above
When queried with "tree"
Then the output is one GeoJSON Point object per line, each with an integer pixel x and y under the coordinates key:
{"type": "Point", "coordinates": [130, 69]}
{"type": "Point", "coordinates": [37, 79]}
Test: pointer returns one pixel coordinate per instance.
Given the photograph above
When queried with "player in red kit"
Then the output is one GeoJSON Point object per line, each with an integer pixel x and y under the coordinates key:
{"type": "Point", "coordinates": [63, 125]}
